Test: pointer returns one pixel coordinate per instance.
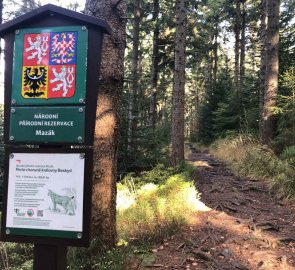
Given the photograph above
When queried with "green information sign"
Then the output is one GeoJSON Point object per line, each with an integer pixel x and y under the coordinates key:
{"type": "Point", "coordinates": [47, 124]}
{"type": "Point", "coordinates": [49, 66]}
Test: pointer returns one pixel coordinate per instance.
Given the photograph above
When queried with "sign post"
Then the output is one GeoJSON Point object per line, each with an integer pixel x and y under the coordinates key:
{"type": "Point", "coordinates": [51, 75]}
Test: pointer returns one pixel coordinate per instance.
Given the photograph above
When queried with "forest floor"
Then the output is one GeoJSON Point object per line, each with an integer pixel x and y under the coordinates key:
{"type": "Point", "coordinates": [244, 227]}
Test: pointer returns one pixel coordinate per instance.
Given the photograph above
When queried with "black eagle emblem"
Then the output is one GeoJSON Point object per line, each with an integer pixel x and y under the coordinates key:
{"type": "Point", "coordinates": [34, 79]}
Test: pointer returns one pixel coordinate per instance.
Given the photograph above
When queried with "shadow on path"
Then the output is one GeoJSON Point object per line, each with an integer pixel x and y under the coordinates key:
{"type": "Point", "coordinates": [245, 228]}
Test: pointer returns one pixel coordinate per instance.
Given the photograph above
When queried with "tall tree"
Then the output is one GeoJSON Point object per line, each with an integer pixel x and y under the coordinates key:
{"type": "Point", "coordinates": [179, 84]}
{"type": "Point", "coordinates": [271, 70]}
{"type": "Point", "coordinates": [1, 11]}
{"type": "Point", "coordinates": [215, 51]}
{"type": "Point", "coordinates": [154, 67]}
{"type": "Point", "coordinates": [263, 40]}
{"type": "Point", "coordinates": [21, 7]}
{"type": "Point", "coordinates": [133, 90]}
{"type": "Point", "coordinates": [237, 32]}
{"type": "Point", "coordinates": [107, 119]}
{"type": "Point", "coordinates": [242, 43]}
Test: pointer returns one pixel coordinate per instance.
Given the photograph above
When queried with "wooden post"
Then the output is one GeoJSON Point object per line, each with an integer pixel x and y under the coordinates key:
{"type": "Point", "coordinates": [49, 257]}
{"type": "Point", "coordinates": [61, 117]}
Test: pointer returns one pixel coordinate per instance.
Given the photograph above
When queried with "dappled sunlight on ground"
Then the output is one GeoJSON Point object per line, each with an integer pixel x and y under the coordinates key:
{"type": "Point", "coordinates": [217, 240]}
{"type": "Point", "coordinates": [200, 163]}
{"type": "Point", "coordinates": [243, 228]}
{"type": "Point", "coordinates": [200, 206]}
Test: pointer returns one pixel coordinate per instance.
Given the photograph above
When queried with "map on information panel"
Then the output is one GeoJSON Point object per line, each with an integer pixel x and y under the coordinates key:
{"type": "Point", "coordinates": [49, 64]}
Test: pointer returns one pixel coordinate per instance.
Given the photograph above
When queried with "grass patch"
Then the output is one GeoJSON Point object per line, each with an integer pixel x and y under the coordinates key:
{"type": "Point", "coordinates": [97, 258]}
{"type": "Point", "coordinates": [153, 211]}
{"type": "Point", "coordinates": [248, 158]}
{"type": "Point", "coordinates": [150, 207]}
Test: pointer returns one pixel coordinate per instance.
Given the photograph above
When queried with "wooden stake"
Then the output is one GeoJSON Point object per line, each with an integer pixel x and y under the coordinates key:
{"type": "Point", "coordinates": [47, 257]}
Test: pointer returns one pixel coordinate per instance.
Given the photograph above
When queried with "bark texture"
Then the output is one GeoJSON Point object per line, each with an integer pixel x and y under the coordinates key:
{"type": "Point", "coordinates": [243, 44]}
{"type": "Point", "coordinates": [272, 70]}
{"type": "Point", "coordinates": [262, 33]}
{"type": "Point", "coordinates": [178, 85]}
{"type": "Point", "coordinates": [154, 68]}
{"type": "Point", "coordinates": [237, 30]}
{"type": "Point", "coordinates": [134, 89]}
{"type": "Point", "coordinates": [107, 119]}
{"type": "Point", "coordinates": [215, 53]}
{"type": "Point", "coordinates": [1, 11]}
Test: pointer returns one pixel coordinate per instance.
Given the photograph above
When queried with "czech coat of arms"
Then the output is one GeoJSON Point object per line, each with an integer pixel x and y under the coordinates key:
{"type": "Point", "coordinates": [49, 65]}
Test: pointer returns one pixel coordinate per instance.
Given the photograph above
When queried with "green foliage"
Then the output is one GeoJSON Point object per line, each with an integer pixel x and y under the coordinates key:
{"type": "Point", "coordinates": [20, 8]}
{"type": "Point", "coordinates": [153, 211]}
{"type": "Point", "coordinates": [285, 109]}
{"type": "Point", "coordinates": [158, 175]}
{"type": "Point", "coordinates": [212, 102]}
{"type": "Point", "coordinates": [16, 256]}
{"type": "Point", "coordinates": [97, 258]}
{"type": "Point", "coordinates": [146, 213]}
{"type": "Point", "coordinates": [150, 147]}
{"type": "Point", "coordinates": [227, 112]}
{"type": "Point", "coordinates": [286, 112]}
{"type": "Point", "coordinates": [250, 159]}
{"type": "Point", "coordinates": [288, 155]}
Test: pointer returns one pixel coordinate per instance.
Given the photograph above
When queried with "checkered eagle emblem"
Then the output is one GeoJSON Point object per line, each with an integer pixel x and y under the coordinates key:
{"type": "Point", "coordinates": [49, 65]}
{"type": "Point", "coordinates": [63, 48]}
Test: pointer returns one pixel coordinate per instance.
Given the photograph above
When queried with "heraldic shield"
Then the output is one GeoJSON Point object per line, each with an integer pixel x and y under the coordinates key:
{"type": "Point", "coordinates": [49, 63]}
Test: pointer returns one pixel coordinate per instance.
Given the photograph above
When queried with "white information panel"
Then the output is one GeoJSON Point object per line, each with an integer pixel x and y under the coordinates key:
{"type": "Point", "coordinates": [45, 191]}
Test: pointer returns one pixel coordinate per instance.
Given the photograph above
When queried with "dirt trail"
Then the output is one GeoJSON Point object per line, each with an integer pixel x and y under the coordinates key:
{"type": "Point", "coordinates": [246, 228]}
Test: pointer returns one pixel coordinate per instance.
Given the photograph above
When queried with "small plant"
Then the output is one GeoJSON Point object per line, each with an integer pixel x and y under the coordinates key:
{"type": "Point", "coordinates": [97, 258]}
{"type": "Point", "coordinates": [289, 155]}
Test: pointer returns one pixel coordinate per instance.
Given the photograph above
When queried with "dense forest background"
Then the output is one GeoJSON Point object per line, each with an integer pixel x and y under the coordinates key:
{"type": "Point", "coordinates": [201, 71]}
{"type": "Point", "coordinates": [228, 49]}
{"type": "Point", "coordinates": [225, 88]}
{"type": "Point", "coordinates": [225, 46]}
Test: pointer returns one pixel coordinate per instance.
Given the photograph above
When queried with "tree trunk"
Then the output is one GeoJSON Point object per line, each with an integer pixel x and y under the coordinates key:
{"type": "Point", "coordinates": [272, 70]}
{"type": "Point", "coordinates": [154, 68]}
{"type": "Point", "coordinates": [179, 85]}
{"type": "Point", "coordinates": [215, 53]}
{"type": "Point", "coordinates": [243, 44]}
{"type": "Point", "coordinates": [237, 30]}
{"type": "Point", "coordinates": [1, 21]}
{"type": "Point", "coordinates": [107, 120]}
{"type": "Point", "coordinates": [1, 11]}
{"type": "Point", "coordinates": [132, 114]}
{"type": "Point", "coordinates": [208, 71]}
{"type": "Point", "coordinates": [263, 39]}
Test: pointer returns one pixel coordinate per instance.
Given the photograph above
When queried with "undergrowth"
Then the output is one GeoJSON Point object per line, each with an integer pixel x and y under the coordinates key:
{"type": "Point", "coordinates": [16, 256]}
{"type": "Point", "coordinates": [153, 211]}
{"type": "Point", "coordinates": [150, 207]}
{"type": "Point", "coordinates": [96, 257]}
{"type": "Point", "coordinates": [248, 158]}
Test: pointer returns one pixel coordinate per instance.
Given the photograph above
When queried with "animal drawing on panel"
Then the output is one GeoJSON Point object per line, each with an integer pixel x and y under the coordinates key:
{"type": "Point", "coordinates": [68, 203]}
